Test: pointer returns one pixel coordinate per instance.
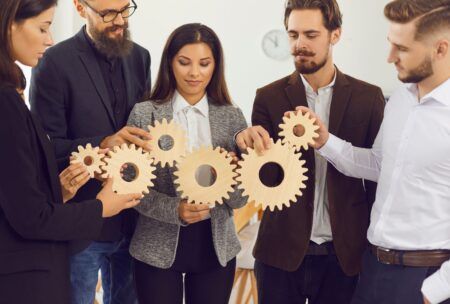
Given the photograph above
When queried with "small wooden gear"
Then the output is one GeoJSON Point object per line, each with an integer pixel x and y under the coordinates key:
{"type": "Point", "coordinates": [141, 162]}
{"type": "Point", "coordinates": [178, 135]}
{"type": "Point", "coordinates": [286, 191]}
{"type": "Point", "coordinates": [90, 158]}
{"type": "Point", "coordinates": [225, 176]}
{"type": "Point", "coordinates": [287, 130]}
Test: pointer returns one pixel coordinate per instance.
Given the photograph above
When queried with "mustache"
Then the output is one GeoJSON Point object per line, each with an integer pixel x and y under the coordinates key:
{"type": "Point", "coordinates": [303, 52]}
{"type": "Point", "coordinates": [116, 27]}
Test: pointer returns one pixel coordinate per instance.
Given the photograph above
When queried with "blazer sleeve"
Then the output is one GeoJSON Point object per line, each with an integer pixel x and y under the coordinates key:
{"type": "Point", "coordinates": [49, 101]}
{"type": "Point", "coordinates": [156, 205]}
{"type": "Point", "coordinates": [26, 206]}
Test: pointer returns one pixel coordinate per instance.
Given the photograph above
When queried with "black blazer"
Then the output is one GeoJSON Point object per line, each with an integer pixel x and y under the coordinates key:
{"type": "Point", "coordinates": [34, 223]}
{"type": "Point", "coordinates": [70, 97]}
{"type": "Point", "coordinates": [355, 115]}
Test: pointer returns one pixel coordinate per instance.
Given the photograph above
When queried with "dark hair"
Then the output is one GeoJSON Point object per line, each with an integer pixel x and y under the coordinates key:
{"type": "Point", "coordinates": [332, 17]}
{"type": "Point", "coordinates": [430, 15]}
{"type": "Point", "coordinates": [187, 34]}
{"type": "Point", "coordinates": [15, 11]}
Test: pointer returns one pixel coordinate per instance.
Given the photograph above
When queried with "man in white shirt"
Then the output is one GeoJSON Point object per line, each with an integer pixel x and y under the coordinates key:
{"type": "Point", "coordinates": [408, 260]}
{"type": "Point", "coordinates": [312, 250]}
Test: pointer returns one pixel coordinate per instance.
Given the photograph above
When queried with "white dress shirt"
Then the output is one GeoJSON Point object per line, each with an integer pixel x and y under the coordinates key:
{"type": "Point", "coordinates": [410, 159]}
{"type": "Point", "coordinates": [195, 121]}
{"type": "Point", "coordinates": [320, 103]}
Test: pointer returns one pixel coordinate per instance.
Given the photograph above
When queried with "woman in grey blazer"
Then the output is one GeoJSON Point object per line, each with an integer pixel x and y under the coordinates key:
{"type": "Point", "coordinates": [172, 237]}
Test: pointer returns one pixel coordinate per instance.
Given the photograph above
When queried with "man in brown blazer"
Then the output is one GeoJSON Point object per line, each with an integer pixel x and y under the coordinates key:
{"type": "Point", "coordinates": [313, 249]}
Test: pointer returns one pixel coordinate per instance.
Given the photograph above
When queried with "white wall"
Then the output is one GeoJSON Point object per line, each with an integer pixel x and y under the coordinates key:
{"type": "Point", "coordinates": [241, 25]}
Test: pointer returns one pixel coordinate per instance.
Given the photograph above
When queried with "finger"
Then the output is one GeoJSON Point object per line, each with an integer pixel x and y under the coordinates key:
{"type": "Point", "coordinates": [138, 132]}
{"type": "Point", "coordinates": [240, 142]}
{"type": "Point", "coordinates": [137, 141]}
{"type": "Point", "coordinates": [81, 179]}
{"type": "Point", "coordinates": [258, 143]}
{"type": "Point", "coordinates": [265, 137]}
{"type": "Point", "coordinates": [131, 196]}
{"type": "Point", "coordinates": [132, 204]}
{"type": "Point", "coordinates": [197, 207]}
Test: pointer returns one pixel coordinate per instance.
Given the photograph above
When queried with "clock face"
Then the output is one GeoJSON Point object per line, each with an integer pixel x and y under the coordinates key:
{"type": "Point", "coordinates": [275, 45]}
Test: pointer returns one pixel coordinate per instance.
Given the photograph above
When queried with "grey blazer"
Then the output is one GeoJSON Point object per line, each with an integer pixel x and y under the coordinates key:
{"type": "Point", "coordinates": [156, 236]}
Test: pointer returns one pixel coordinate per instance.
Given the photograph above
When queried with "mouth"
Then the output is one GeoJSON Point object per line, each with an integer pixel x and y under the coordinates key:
{"type": "Point", "coordinates": [193, 83]}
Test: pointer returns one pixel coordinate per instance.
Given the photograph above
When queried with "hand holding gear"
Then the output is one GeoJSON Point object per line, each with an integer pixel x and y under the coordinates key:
{"type": "Point", "coordinates": [90, 158]}
{"type": "Point", "coordinates": [287, 130]}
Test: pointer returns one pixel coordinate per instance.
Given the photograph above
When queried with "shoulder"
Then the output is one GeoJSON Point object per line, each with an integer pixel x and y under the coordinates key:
{"type": "Point", "coordinates": [138, 49]}
{"type": "Point", "coordinates": [11, 104]}
{"type": "Point", "coordinates": [274, 87]}
{"type": "Point", "coordinates": [61, 50]}
{"type": "Point", "coordinates": [361, 86]}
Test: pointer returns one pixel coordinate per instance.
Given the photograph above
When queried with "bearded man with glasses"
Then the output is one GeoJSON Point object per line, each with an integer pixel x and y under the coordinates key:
{"type": "Point", "coordinates": [83, 90]}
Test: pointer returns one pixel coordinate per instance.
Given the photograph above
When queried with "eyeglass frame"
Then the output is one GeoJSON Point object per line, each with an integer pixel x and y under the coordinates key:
{"type": "Point", "coordinates": [103, 14]}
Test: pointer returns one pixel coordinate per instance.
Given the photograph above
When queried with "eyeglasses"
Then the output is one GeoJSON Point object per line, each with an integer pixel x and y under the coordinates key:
{"type": "Point", "coordinates": [111, 15]}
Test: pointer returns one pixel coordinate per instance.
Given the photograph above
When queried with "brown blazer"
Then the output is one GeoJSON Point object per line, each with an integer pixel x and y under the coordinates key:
{"type": "Point", "coordinates": [355, 116]}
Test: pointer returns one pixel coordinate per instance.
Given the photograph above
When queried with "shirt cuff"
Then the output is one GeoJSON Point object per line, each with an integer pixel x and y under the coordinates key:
{"type": "Point", "coordinates": [332, 147]}
{"type": "Point", "coordinates": [435, 288]}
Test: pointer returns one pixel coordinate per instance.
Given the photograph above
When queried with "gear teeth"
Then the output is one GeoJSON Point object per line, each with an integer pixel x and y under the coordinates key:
{"type": "Point", "coordinates": [176, 132]}
{"type": "Point", "coordinates": [141, 160]}
{"type": "Point", "coordinates": [92, 153]}
{"type": "Point", "coordinates": [288, 135]}
{"type": "Point", "coordinates": [225, 176]}
{"type": "Point", "coordinates": [272, 197]}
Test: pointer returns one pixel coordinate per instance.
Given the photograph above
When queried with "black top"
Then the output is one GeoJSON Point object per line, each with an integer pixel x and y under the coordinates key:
{"type": "Point", "coordinates": [34, 223]}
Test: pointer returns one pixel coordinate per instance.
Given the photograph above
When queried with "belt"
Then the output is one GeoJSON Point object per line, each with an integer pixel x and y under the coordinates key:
{"type": "Point", "coordinates": [416, 258]}
{"type": "Point", "coordinates": [322, 249]}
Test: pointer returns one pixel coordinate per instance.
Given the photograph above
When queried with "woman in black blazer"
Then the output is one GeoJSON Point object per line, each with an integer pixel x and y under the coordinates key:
{"type": "Point", "coordinates": [34, 221]}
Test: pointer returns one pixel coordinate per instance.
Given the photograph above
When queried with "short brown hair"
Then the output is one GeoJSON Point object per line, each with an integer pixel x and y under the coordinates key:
{"type": "Point", "coordinates": [430, 15]}
{"type": "Point", "coordinates": [332, 17]}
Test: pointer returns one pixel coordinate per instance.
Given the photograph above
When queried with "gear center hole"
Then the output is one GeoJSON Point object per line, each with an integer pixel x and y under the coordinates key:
{"type": "Point", "coordinates": [299, 130]}
{"type": "Point", "coordinates": [271, 174]}
{"type": "Point", "coordinates": [165, 142]}
{"type": "Point", "coordinates": [205, 175]}
{"type": "Point", "coordinates": [88, 160]}
{"type": "Point", "coordinates": [130, 172]}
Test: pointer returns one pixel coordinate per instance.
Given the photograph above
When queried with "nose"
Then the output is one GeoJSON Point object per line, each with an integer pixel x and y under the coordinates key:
{"type": "Point", "coordinates": [119, 20]}
{"type": "Point", "coordinates": [392, 58]}
{"type": "Point", "coordinates": [194, 71]}
{"type": "Point", "coordinates": [49, 40]}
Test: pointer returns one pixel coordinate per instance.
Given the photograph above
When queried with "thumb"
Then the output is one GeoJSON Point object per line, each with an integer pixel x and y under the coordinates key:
{"type": "Point", "coordinates": [108, 184]}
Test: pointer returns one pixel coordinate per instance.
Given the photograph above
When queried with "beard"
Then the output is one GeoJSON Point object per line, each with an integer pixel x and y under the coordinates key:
{"type": "Point", "coordinates": [112, 47]}
{"type": "Point", "coordinates": [308, 67]}
{"type": "Point", "coordinates": [419, 73]}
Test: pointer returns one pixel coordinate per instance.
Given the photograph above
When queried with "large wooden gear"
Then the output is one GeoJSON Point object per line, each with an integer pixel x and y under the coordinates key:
{"type": "Point", "coordinates": [287, 190]}
{"type": "Point", "coordinates": [90, 158]}
{"type": "Point", "coordinates": [287, 130]}
{"type": "Point", "coordinates": [225, 176]}
{"type": "Point", "coordinates": [176, 152]}
{"type": "Point", "coordinates": [141, 162]}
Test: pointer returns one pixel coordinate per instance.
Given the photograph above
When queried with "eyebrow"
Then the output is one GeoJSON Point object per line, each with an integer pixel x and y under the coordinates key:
{"type": "Point", "coordinates": [305, 32]}
{"type": "Point", "coordinates": [191, 59]}
{"type": "Point", "coordinates": [397, 45]}
{"type": "Point", "coordinates": [47, 22]}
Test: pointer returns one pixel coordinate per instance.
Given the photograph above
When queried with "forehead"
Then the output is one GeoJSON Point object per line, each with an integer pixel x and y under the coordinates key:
{"type": "Point", "coordinates": [306, 19]}
{"type": "Point", "coordinates": [191, 50]}
{"type": "Point", "coordinates": [110, 4]}
{"type": "Point", "coordinates": [402, 34]}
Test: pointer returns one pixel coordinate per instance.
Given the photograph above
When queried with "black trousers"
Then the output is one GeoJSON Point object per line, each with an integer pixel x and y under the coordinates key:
{"type": "Point", "coordinates": [165, 286]}
{"type": "Point", "coordinates": [318, 279]}
{"type": "Point", "coordinates": [390, 284]}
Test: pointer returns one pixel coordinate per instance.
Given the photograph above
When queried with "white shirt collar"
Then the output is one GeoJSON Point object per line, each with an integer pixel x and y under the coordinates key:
{"type": "Point", "coordinates": [309, 89]}
{"type": "Point", "coordinates": [179, 104]}
{"type": "Point", "coordinates": [440, 94]}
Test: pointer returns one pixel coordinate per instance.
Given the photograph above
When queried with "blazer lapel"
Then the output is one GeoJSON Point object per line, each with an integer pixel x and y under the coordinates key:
{"type": "Point", "coordinates": [339, 102]}
{"type": "Point", "coordinates": [88, 58]}
{"type": "Point", "coordinates": [296, 91]}
{"type": "Point", "coordinates": [128, 82]}
{"type": "Point", "coordinates": [48, 152]}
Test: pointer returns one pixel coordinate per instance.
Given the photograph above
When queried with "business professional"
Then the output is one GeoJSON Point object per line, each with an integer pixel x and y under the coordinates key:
{"type": "Point", "coordinates": [35, 225]}
{"type": "Point", "coordinates": [83, 91]}
{"type": "Point", "coordinates": [173, 237]}
{"type": "Point", "coordinates": [313, 249]}
{"type": "Point", "coordinates": [409, 233]}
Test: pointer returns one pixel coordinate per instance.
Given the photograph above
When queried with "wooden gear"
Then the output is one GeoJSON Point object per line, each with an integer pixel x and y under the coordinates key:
{"type": "Point", "coordinates": [287, 130]}
{"type": "Point", "coordinates": [283, 194]}
{"type": "Point", "coordinates": [139, 159]}
{"type": "Point", "coordinates": [225, 176]}
{"type": "Point", "coordinates": [178, 135]}
{"type": "Point", "coordinates": [95, 159]}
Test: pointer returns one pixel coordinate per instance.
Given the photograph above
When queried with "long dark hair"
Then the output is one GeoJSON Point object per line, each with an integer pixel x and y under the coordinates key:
{"type": "Point", "coordinates": [187, 34]}
{"type": "Point", "coordinates": [15, 11]}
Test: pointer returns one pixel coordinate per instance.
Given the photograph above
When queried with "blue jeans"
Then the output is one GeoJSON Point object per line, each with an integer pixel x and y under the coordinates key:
{"type": "Point", "coordinates": [115, 263]}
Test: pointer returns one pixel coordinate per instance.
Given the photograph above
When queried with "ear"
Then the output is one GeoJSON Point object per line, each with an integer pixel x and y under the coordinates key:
{"type": "Point", "coordinates": [442, 48]}
{"type": "Point", "coordinates": [80, 8]}
{"type": "Point", "coordinates": [336, 36]}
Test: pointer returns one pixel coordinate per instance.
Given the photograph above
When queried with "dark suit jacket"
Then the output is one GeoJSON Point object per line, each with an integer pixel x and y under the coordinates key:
{"type": "Point", "coordinates": [34, 223]}
{"type": "Point", "coordinates": [355, 116]}
{"type": "Point", "coordinates": [69, 95]}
